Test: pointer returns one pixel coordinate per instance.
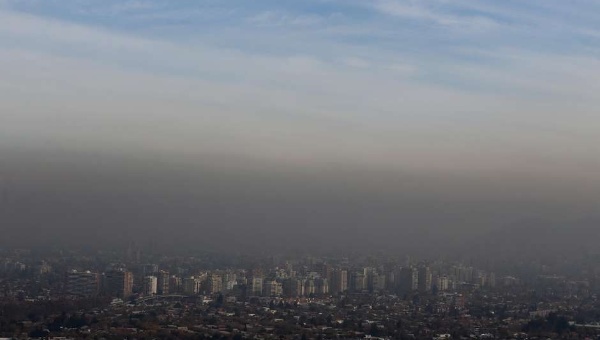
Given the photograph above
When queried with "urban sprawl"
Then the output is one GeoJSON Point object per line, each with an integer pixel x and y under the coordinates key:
{"type": "Point", "coordinates": [131, 295]}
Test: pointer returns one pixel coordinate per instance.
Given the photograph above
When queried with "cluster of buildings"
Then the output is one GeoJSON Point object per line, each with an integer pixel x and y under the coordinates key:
{"type": "Point", "coordinates": [288, 280]}
{"type": "Point", "coordinates": [117, 283]}
{"type": "Point", "coordinates": [287, 297]}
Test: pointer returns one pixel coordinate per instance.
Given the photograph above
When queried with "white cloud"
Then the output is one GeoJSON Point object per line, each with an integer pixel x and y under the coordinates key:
{"type": "Point", "coordinates": [419, 10]}
{"type": "Point", "coordinates": [277, 18]}
{"type": "Point", "coordinates": [179, 98]}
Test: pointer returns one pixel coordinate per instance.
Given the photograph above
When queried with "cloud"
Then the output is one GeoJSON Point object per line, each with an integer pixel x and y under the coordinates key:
{"type": "Point", "coordinates": [419, 10]}
{"type": "Point", "coordinates": [278, 18]}
{"type": "Point", "coordinates": [321, 119]}
{"type": "Point", "coordinates": [358, 102]}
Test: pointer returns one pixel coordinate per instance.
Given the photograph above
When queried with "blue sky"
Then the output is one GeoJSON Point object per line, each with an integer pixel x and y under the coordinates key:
{"type": "Point", "coordinates": [437, 84]}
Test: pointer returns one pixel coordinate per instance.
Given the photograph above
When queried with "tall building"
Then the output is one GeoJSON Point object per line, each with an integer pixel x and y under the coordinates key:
{"type": "Point", "coordinates": [118, 283]}
{"type": "Point", "coordinates": [293, 287]}
{"type": "Point", "coordinates": [309, 287]}
{"type": "Point", "coordinates": [339, 282]}
{"type": "Point", "coordinates": [163, 283]}
{"type": "Point", "coordinates": [325, 271]}
{"type": "Point", "coordinates": [443, 283]}
{"type": "Point", "coordinates": [390, 280]}
{"type": "Point", "coordinates": [377, 282]}
{"type": "Point", "coordinates": [425, 278]}
{"type": "Point", "coordinates": [215, 283]}
{"type": "Point", "coordinates": [191, 285]}
{"type": "Point", "coordinates": [358, 281]}
{"type": "Point", "coordinates": [82, 283]}
{"type": "Point", "coordinates": [408, 280]}
{"type": "Point", "coordinates": [272, 288]}
{"type": "Point", "coordinates": [150, 285]}
{"type": "Point", "coordinates": [491, 281]}
{"type": "Point", "coordinates": [256, 286]}
{"type": "Point", "coordinates": [175, 284]}
{"type": "Point", "coordinates": [481, 281]}
{"type": "Point", "coordinates": [463, 274]}
{"type": "Point", "coordinates": [321, 286]}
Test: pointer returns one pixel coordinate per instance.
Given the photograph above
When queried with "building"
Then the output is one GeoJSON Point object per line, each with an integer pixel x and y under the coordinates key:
{"type": "Point", "coordinates": [339, 283]}
{"type": "Point", "coordinates": [175, 284]}
{"type": "Point", "coordinates": [443, 283]}
{"type": "Point", "coordinates": [191, 285]}
{"type": "Point", "coordinates": [358, 281]}
{"type": "Point", "coordinates": [408, 280]}
{"type": "Point", "coordinates": [163, 283]}
{"type": "Point", "coordinates": [150, 285]}
{"type": "Point", "coordinates": [309, 287]}
{"type": "Point", "coordinates": [273, 288]}
{"type": "Point", "coordinates": [82, 283]}
{"type": "Point", "coordinates": [118, 283]}
{"type": "Point", "coordinates": [491, 281]}
{"type": "Point", "coordinates": [256, 286]}
{"type": "Point", "coordinates": [293, 287]}
{"type": "Point", "coordinates": [376, 282]}
{"type": "Point", "coordinates": [321, 286]}
{"type": "Point", "coordinates": [215, 283]}
{"type": "Point", "coordinates": [229, 280]}
{"type": "Point", "coordinates": [425, 278]}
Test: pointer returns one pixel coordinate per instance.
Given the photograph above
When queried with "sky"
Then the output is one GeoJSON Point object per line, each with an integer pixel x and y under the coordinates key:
{"type": "Point", "coordinates": [480, 112]}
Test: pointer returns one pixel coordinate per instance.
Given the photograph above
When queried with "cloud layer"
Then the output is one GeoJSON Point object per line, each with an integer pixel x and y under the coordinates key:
{"type": "Point", "coordinates": [466, 92]}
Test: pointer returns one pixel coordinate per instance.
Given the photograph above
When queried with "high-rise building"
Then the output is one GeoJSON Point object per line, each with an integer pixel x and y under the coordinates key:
{"type": "Point", "coordinates": [325, 270]}
{"type": "Point", "coordinates": [82, 283]}
{"type": "Point", "coordinates": [425, 278]}
{"type": "Point", "coordinates": [215, 283]}
{"type": "Point", "coordinates": [408, 280]}
{"type": "Point", "coordinates": [377, 282]}
{"type": "Point", "coordinates": [175, 284]}
{"type": "Point", "coordinates": [390, 280]}
{"type": "Point", "coordinates": [321, 286]}
{"type": "Point", "coordinates": [481, 280]}
{"type": "Point", "coordinates": [339, 283]}
{"type": "Point", "coordinates": [118, 283]}
{"type": "Point", "coordinates": [309, 287]}
{"type": "Point", "coordinates": [272, 288]}
{"type": "Point", "coordinates": [256, 286]}
{"type": "Point", "coordinates": [163, 283]}
{"type": "Point", "coordinates": [150, 285]}
{"type": "Point", "coordinates": [491, 281]}
{"type": "Point", "coordinates": [191, 285]}
{"type": "Point", "coordinates": [443, 283]}
{"type": "Point", "coordinates": [464, 274]}
{"type": "Point", "coordinates": [358, 281]}
{"type": "Point", "coordinates": [229, 280]}
{"type": "Point", "coordinates": [293, 287]}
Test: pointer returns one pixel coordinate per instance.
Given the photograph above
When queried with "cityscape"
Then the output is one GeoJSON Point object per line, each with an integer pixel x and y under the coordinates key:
{"type": "Point", "coordinates": [299, 169]}
{"type": "Point", "coordinates": [132, 293]}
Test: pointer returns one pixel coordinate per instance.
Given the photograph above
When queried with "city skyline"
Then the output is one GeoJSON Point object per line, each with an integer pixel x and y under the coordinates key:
{"type": "Point", "coordinates": [314, 169]}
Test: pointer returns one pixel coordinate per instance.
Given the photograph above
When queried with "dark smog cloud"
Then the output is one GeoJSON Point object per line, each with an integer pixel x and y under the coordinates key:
{"type": "Point", "coordinates": [53, 197]}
